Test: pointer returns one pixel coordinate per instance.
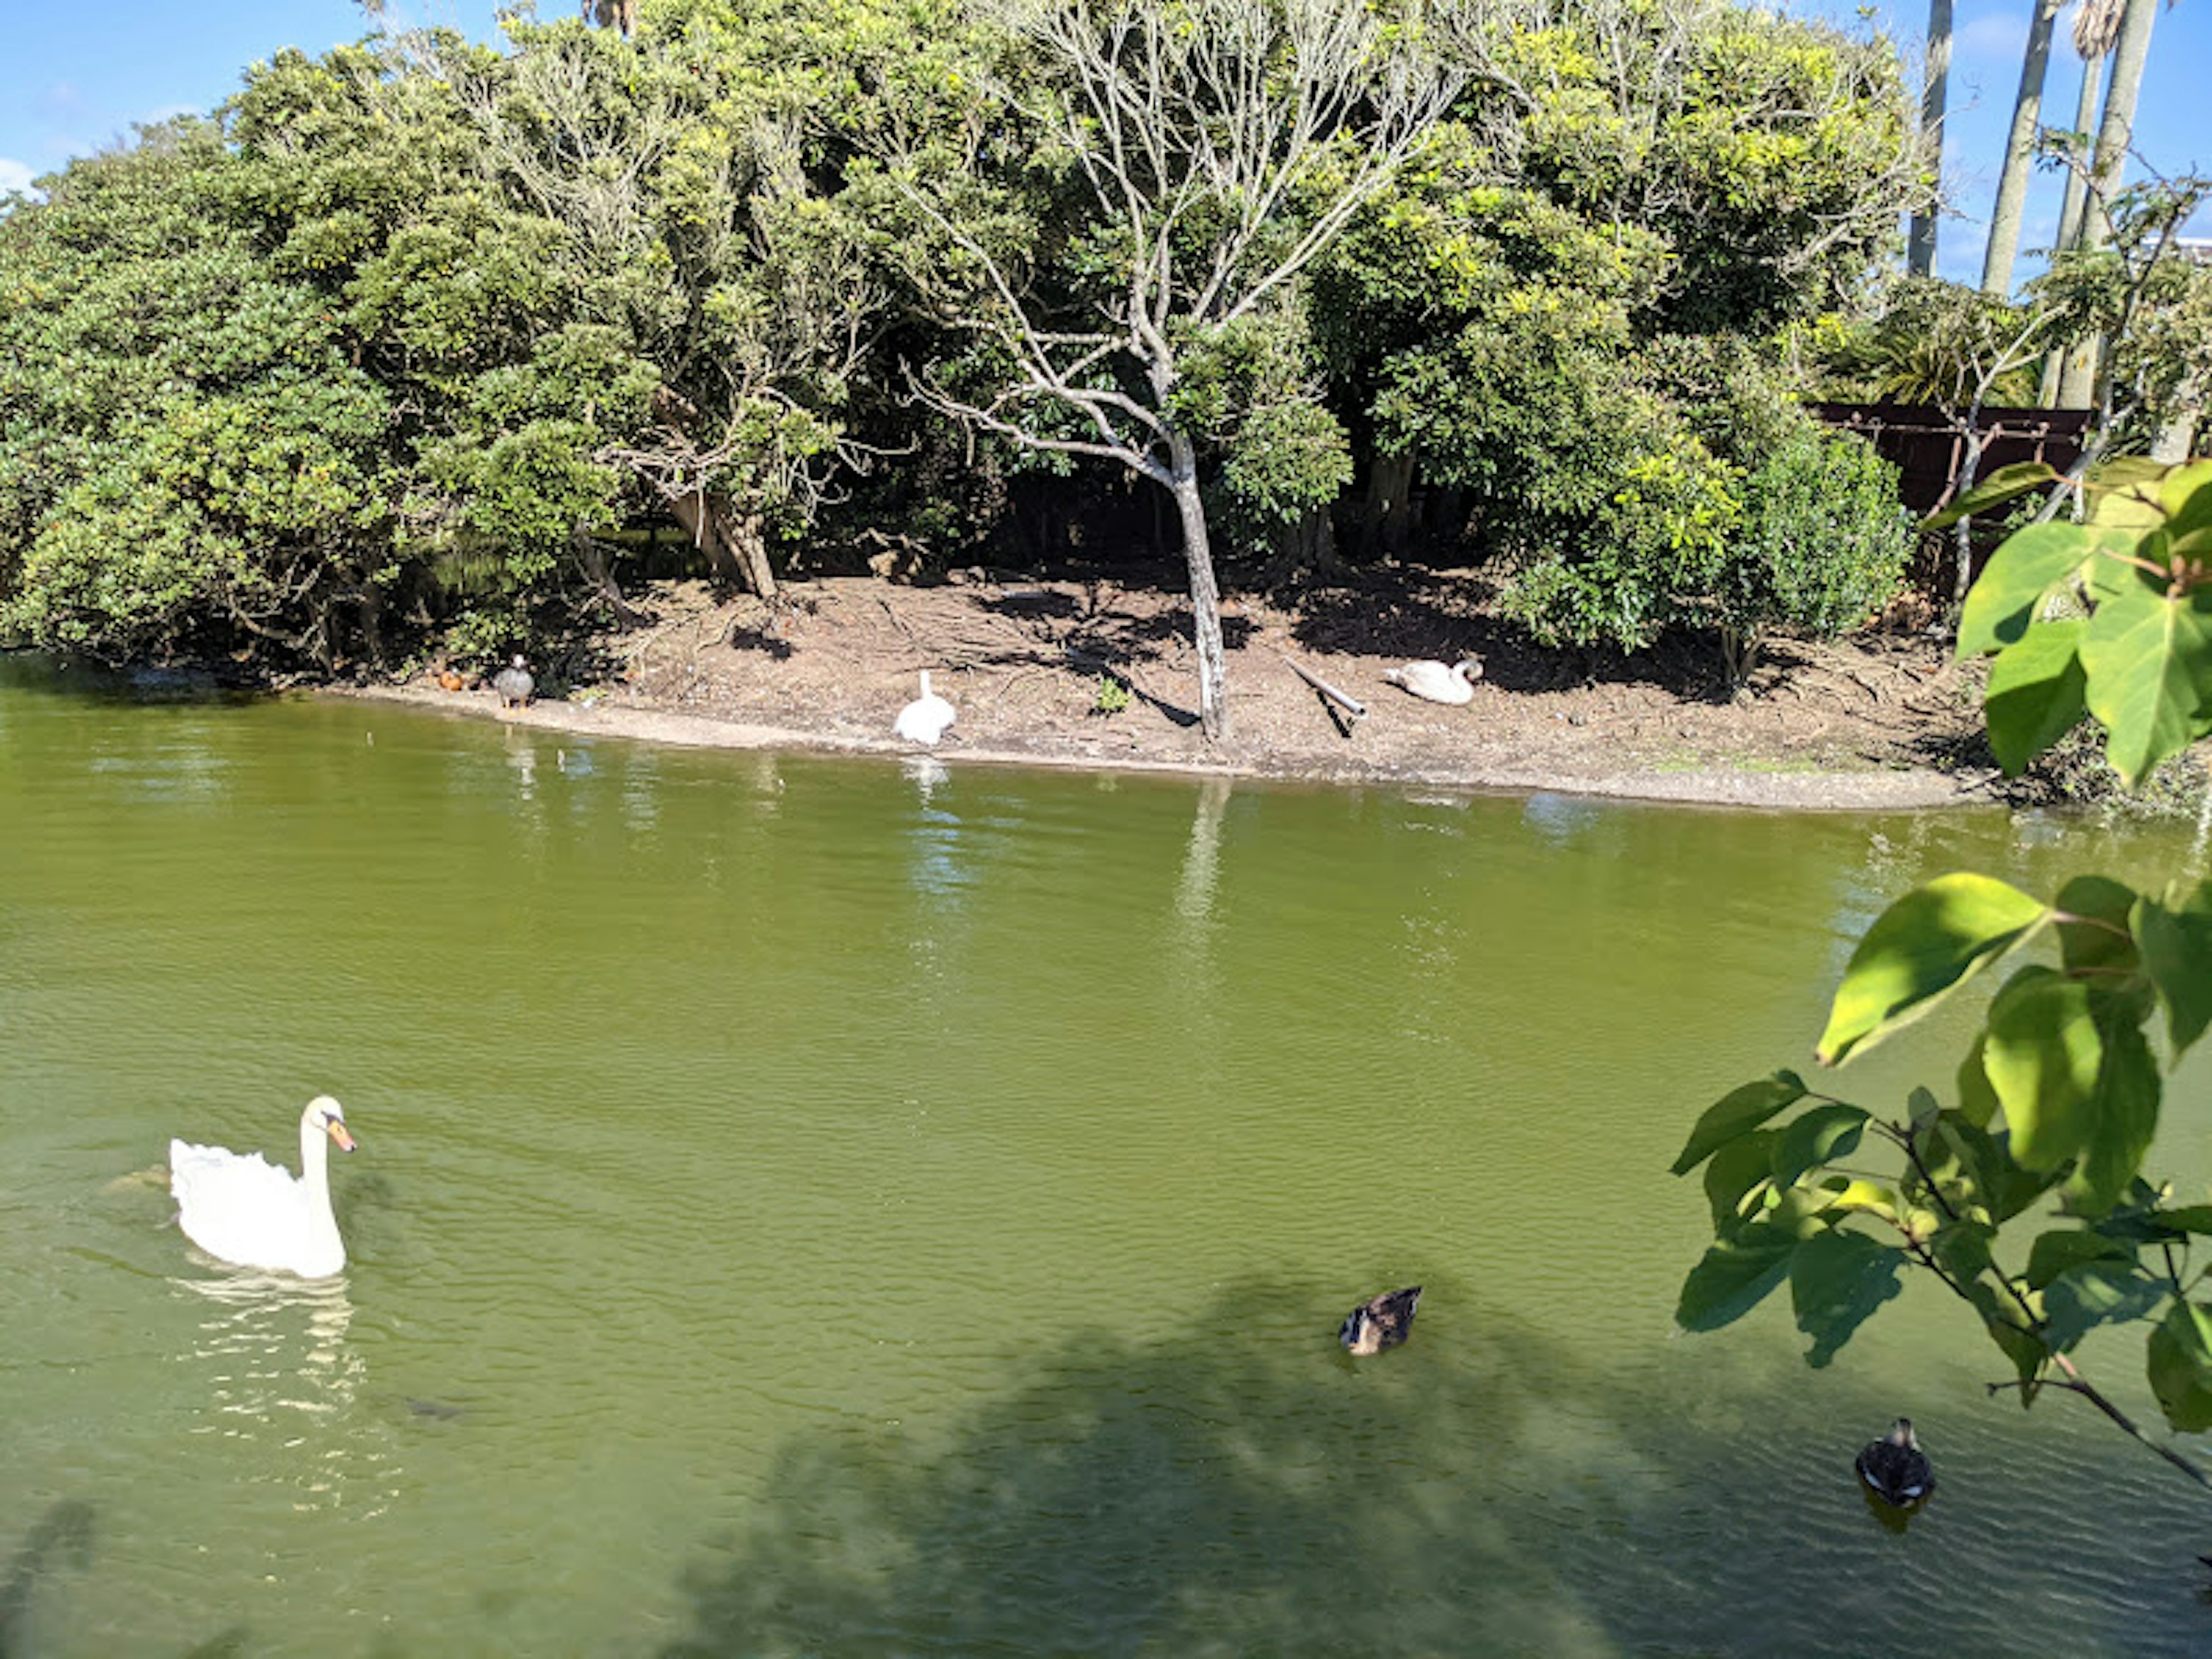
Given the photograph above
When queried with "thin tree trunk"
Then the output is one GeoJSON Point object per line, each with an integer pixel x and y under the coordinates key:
{"type": "Point", "coordinates": [1205, 593]}
{"type": "Point", "coordinates": [2020, 153]}
{"type": "Point", "coordinates": [1920, 256]}
{"type": "Point", "coordinates": [2077, 384]}
{"type": "Point", "coordinates": [594, 564]}
{"type": "Point", "coordinates": [2069, 215]}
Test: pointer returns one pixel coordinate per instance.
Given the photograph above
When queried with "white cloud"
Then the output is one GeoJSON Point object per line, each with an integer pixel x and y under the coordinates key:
{"type": "Point", "coordinates": [13, 175]}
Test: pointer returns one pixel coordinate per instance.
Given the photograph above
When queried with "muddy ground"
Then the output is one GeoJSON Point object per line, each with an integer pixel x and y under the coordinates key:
{"type": "Point", "coordinates": [1036, 668]}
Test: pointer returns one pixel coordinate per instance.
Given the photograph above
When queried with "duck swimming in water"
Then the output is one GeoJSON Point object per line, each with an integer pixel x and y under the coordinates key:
{"type": "Point", "coordinates": [1382, 1322]}
{"type": "Point", "coordinates": [1894, 1467]}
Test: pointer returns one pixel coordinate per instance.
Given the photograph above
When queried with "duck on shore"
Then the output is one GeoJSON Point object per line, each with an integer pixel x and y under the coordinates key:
{"type": "Point", "coordinates": [513, 684]}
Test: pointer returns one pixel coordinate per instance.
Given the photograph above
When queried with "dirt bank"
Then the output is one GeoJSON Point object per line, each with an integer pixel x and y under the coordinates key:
{"type": "Point", "coordinates": [1090, 674]}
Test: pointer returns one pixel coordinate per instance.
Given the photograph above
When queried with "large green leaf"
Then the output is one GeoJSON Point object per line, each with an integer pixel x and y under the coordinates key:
{"type": "Point", "coordinates": [1733, 1278]}
{"type": "Point", "coordinates": [2025, 566]}
{"type": "Point", "coordinates": [2094, 1294]}
{"type": "Point", "coordinates": [2000, 487]}
{"type": "Point", "coordinates": [1815, 1137]}
{"type": "Point", "coordinates": [1836, 1280]}
{"type": "Point", "coordinates": [2123, 1109]}
{"type": "Point", "coordinates": [2042, 1057]}
{"type": "Point", "coordinates": [2185, 493]}
{"type": "Point", "coordinates": [2035, 693]}
{"type": "Point", "coordinates": [2181, 1367]}
{"type": "Point", "coordinates": [2147, 655]}
{"type": "Point", "coordinates": [1733, 1172]}
{"type": "Point", "coordinates": [2177, 955]}
{"type": "Point", "coordinates": [2094, 917]}
{"type": "Point", "coordinates": [1921, 947]}
{"type": "Point", "coordinates": [1739, 1112]}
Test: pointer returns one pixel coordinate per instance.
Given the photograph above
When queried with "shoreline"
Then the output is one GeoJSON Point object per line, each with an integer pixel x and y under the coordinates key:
{"type": "Point", "coordinates": [1477, 769]}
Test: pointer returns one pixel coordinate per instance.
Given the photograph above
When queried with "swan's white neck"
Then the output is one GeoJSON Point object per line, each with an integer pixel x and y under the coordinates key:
{"type": "Point", "coordinates": [315, 1180]}
{"type": "Point", "coordinates": [925, 682]}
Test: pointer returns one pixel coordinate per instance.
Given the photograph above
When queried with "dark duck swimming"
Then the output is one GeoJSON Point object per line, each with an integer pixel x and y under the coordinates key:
{"type": "Point", "coordinates": [1894, 1467]}
{"type": "Point", "coordinates": [1382, 1322]}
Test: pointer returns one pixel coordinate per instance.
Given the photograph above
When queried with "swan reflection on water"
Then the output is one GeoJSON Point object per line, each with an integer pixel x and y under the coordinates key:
{"type": "Point", "coordinates": [281, 1377]}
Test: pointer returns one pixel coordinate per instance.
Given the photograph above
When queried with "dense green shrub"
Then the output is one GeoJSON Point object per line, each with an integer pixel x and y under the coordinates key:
{"type": "Point", "coordinates": [1822, 546]}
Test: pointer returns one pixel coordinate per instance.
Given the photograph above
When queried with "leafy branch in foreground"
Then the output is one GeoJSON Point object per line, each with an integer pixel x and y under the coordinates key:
{"type": "Point", "coordinates": [2058, 1095]}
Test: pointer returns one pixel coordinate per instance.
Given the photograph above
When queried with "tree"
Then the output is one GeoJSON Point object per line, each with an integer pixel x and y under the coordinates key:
{"type": "Point", "coordinates": [2096, 26]}
{"type": "Point", "coordinates": [2060, 1091]}
{"type": "Point", "coordinates": [1920, 247]}
{"type": "Point", "coordinates": [2130, 51]}
{"type": "Point", "coordinates": [2020, 151]}
{"type": "Point", "coordinates": [1213, 149]}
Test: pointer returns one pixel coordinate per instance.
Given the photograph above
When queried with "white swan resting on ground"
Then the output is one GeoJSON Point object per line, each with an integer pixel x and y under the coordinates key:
{"type": "Point", "coordinates": [1435, 682]}
{"type": "Point", "coordinates": [255, 1214]}
{"type": "Point", "coordinates": [927, 719]}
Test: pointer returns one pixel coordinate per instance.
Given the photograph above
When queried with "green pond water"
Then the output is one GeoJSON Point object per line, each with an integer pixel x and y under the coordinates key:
{"type": "Point", "coordinates": [823, 1206]}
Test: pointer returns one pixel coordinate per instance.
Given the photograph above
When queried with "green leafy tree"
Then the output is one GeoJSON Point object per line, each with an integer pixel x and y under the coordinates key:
{"type": "Point", "coordinates": [2058, 1096]}
{"type": "Point", "coordinates": [192, 462]}
{"type": "Point", "coordinates": [1121, 218]}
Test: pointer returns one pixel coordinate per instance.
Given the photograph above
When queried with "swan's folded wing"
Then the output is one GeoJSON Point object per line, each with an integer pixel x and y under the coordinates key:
{"type": "Point", "coordinates": [232, 1206]}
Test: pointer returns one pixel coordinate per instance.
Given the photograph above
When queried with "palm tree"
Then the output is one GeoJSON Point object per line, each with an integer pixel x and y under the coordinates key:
{"type": "Point", "coordinates": [2020, 153]}
{"type": "Point", "coordinates": [2130, 50]}
{"type": "Point", "coordinates": [1920, 246]}
{"type": "Point", "coordinates": [2096, 26]}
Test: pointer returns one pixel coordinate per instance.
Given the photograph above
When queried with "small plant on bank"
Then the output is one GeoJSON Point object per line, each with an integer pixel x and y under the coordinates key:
{"type": "Point", "coordinates": [1113, 697]}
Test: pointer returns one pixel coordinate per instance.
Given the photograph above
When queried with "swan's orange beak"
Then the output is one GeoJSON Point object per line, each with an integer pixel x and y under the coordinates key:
{"type": "Point", "coordinates": [338, 1132]}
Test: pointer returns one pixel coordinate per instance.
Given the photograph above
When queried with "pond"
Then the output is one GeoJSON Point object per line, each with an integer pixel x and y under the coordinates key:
{"type": "Point", "coordinates": [817, 1206]}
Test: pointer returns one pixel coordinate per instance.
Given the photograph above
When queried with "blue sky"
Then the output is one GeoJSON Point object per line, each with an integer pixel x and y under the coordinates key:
{"type": "Point", "coordinates": [76, 80]}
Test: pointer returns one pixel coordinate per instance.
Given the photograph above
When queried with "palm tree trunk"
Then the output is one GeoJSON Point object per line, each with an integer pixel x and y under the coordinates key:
{"type": "Point", "coordinates": [2077, 383]}
{"type": "Point", "coordinates": [2020, 153]}
{"type": "Point", "coordinates": [2077, 195]}
{"type": "Point", "coordinates": [1920, 251]}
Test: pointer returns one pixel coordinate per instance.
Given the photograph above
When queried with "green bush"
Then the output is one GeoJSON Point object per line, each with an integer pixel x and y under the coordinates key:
{"type": "Point", "coordinates": [1822, 546]}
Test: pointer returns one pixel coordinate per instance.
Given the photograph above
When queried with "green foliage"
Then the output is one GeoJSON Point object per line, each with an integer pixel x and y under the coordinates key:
{"type": "Point", "coordinates": [1822, 546]}
{"type": "Point", "coordinates": [1944, 344]}
{"type": "Point", "coordinates": [2062, 1088]}
{"type": "Point", "coordinates": [1113, 697]}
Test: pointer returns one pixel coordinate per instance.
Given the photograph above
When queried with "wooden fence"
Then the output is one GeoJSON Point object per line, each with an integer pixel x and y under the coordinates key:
{"type": "Point", "coordinates": [1928, 446]}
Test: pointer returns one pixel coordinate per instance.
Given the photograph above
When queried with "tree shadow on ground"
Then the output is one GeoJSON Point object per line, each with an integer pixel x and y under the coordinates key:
{"type": "Point", "coordinates": [1239, 1485]}
{"type": "Point", "coordinates": [1410, 611]}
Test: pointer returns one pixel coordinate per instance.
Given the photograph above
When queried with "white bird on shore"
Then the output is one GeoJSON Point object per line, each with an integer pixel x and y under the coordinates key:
{"type": "Point", "coordinates": [253, 1213]}
{"type": "Point", "coordinates": [1436, 683]}
{"type": "Point", "coordinates": [927, 719]}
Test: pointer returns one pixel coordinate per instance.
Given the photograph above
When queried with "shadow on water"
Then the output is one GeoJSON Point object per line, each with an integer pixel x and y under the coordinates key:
{"type": "Point", "coordinates": [1241, 1485]}
{"type": "Point", "coordinates": [62, 1537]}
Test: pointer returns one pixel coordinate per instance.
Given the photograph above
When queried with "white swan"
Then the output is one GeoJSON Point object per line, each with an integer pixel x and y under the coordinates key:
{"type": "Point", "coordinates": [927, 719]}
{"type": "Point", "coordinates": [255, 1214]}
{"type": "Point", "coordinates": [1435, 682]}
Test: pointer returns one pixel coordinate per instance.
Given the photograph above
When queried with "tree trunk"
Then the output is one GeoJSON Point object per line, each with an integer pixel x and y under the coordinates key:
{"type": "Point", "coordinates": [1389, 493]}
{"type": "Point", "coordinates": [1205, 591]}
{"type": "Point", "coordinates": [594, 564]}
{"type": "Point", "coordinates": [2077, 383]}
{"type": "Point", "coordinates": [1920, 256]}
{"type": "Point", "coordinates": [735, 549]}
{"type": "Point", "coordinates": [2069, 216]}
{"type": "Point", "coordinates": [2020, 153]}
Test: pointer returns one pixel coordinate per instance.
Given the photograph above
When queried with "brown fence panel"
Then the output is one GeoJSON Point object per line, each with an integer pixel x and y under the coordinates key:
{"type": "Point", "coordinates": [1927, 447]}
